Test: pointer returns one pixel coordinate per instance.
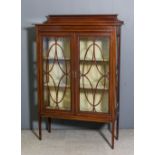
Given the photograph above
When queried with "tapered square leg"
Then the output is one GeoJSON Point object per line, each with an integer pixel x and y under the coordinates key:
{"type": "Point", "coordinates": [117, 128]}
{"type": "Point", "coordinates": [49, 124]}
{"type": "Point", "coordinates": [39, 126]}
{"type": "Point", "coordinates": [113, 134]}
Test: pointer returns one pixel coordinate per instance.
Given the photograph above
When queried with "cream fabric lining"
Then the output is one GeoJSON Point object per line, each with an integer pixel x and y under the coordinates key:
{"type": "Point", "coordinates": [57, 73]}
{"type": "Point", "coordinates": [93, 75]}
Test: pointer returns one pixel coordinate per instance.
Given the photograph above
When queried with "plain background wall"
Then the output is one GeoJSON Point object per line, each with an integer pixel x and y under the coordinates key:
{"type": "Point", "coordinates": [34, 11]}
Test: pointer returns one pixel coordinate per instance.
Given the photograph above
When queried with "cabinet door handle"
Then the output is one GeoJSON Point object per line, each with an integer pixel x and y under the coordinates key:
{"type": "Point", "coordinates": [75, 75]}
{"type": "Point", "coordinates": [72, 74]}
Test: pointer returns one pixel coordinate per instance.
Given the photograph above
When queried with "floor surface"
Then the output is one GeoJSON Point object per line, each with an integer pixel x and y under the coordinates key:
{"type": "Point", "coordinates": [76, 142]}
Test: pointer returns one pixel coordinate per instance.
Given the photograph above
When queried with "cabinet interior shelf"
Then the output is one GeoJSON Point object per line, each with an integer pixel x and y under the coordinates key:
{"type": "Point", "coordinates": [81, 60]}
{"type": "Point", "coordinates": [81, 87]}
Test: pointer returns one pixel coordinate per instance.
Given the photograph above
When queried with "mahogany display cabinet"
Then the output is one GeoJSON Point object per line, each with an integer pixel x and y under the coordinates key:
{"type": "Point", "coordinates": [78, 61]}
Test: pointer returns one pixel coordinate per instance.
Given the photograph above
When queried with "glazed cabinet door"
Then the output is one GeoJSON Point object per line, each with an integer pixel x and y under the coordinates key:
{"type": "Point", "coordinates": [56, 68]}
{"type": "Point", "coordinates": [94, 74]}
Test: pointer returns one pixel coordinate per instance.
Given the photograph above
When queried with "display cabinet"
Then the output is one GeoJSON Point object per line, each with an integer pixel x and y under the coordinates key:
{"type": "Point", "coordinates": [78, 60]}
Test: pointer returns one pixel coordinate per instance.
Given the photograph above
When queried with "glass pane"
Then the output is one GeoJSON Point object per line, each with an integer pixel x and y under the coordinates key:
{"type": "Point", "coordinates": [56, 76]}
{"type": "Point", "coordinates": [94, 74]}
